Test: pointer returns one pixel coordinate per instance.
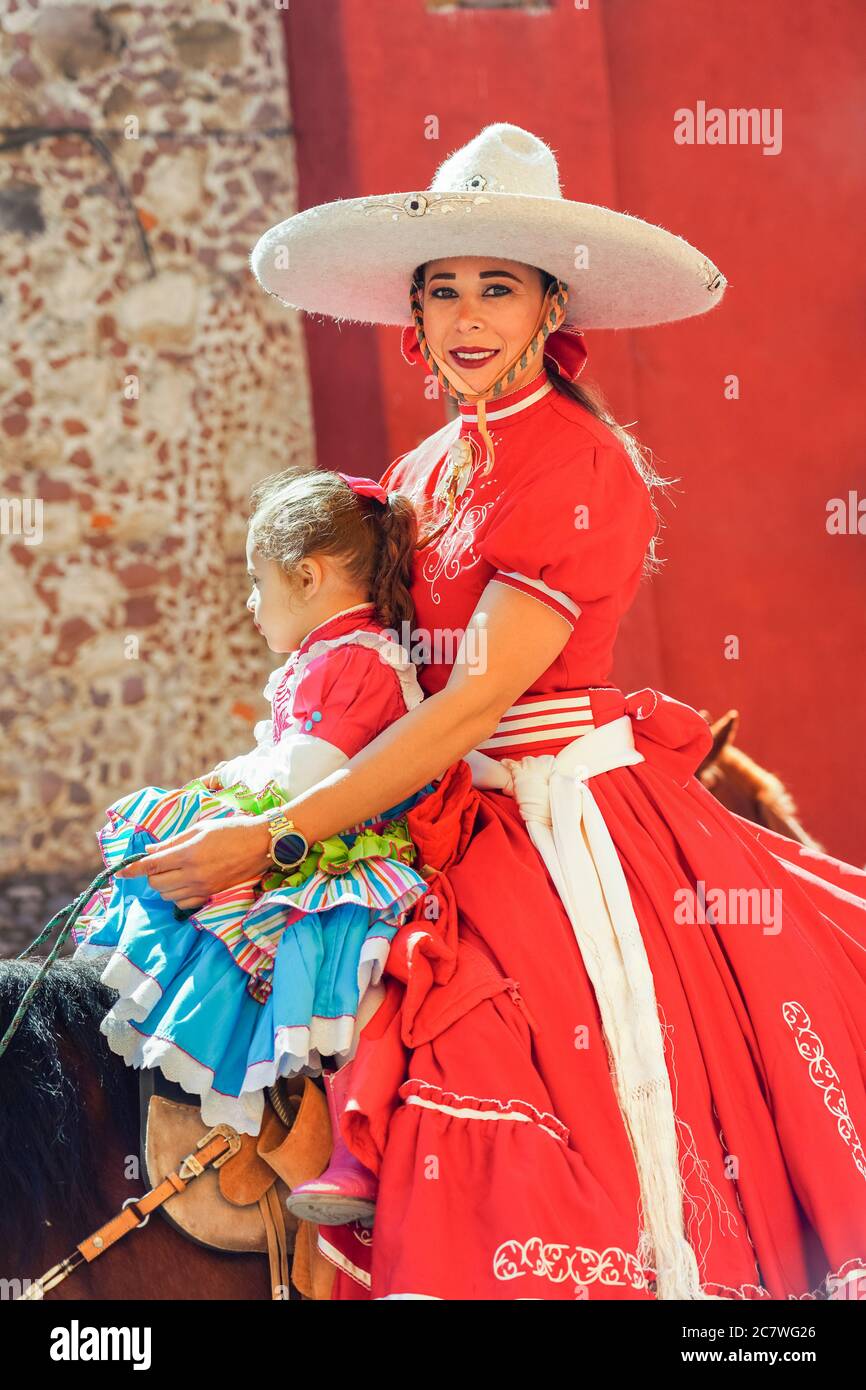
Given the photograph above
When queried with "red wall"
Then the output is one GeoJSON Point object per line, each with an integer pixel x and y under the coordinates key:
{"type": "Point", "coordinates": [747, 547]}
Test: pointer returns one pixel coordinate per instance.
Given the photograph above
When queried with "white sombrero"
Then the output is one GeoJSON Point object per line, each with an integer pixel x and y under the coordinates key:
{"type": "Point", "coordinates": [499, 195]}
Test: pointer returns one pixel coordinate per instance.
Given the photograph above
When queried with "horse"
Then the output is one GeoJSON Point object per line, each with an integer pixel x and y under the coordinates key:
{"type": "Point", "coordinates": [69, 1154]}
{"type": "Point", "coordinates": [741, 785]}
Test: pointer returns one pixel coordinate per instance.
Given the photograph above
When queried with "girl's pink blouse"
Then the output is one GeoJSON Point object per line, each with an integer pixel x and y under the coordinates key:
{"type": "Point", "coordinates": [345, 695]}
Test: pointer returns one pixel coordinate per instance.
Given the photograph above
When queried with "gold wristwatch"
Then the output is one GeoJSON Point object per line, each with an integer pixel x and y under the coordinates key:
{"type": "Point", "coordinates": [288, 847]}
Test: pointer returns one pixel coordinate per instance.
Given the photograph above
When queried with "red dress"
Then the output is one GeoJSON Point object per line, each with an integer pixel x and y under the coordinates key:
{"type": "Point", "coordinates": [484, 1092]}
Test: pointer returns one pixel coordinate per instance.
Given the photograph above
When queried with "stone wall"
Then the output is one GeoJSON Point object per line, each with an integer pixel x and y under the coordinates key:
{"type": "Point", "coordinates": [146, 384]}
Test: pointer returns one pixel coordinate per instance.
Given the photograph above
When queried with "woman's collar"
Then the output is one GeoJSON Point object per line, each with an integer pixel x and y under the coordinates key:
{"type": "Point", "coordinates": [512, 404]}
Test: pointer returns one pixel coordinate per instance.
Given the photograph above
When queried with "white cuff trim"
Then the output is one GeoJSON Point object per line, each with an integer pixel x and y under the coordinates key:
{"type": "Point", "coordinates": [556, 594]}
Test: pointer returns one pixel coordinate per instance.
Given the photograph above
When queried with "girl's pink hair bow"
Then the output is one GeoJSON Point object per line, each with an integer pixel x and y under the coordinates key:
{"type": "Point", "coordinates": [365, 487]}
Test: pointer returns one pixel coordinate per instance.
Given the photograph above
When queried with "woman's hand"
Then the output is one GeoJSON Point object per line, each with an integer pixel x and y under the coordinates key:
{"type": "Point", "coordinates": [211, 780]}
{"type": "Point", "coordinates": [190, 867]}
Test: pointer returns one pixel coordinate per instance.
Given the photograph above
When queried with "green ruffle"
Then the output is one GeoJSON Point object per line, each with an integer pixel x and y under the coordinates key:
{"type": "Point", "coordinates": [332, 855]}
{"type": "Point", "coordinates": [239, 797]}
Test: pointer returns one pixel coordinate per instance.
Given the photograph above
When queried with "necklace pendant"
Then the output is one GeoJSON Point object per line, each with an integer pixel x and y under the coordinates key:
{"type": "Point", "coordinates": [457, 472]}
{"type": "Point", "coordinates": [460, 456]}
{"type": "Point", "coordinates": [463, 476]}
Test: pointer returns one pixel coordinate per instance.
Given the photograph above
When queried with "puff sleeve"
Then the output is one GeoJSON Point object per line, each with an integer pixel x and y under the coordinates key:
{"type": "Point", "coordinates": [575, 532]}
{"type": "Point", "coordinates": [343, 698]}
{"type": "Point", "coordinates": [347, 696]}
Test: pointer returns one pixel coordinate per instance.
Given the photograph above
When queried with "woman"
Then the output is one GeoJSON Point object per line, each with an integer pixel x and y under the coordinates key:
{"type": "Point", "coordinates": [589, 1077]}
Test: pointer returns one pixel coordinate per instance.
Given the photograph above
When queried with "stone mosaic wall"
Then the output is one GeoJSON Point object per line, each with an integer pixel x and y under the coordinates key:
{"type": "Point", "coordinates": [146, 383]}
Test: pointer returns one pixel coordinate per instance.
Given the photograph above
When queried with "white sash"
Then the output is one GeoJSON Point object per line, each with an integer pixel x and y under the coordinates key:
{"type": "Point", "coordinates": [569, 832]}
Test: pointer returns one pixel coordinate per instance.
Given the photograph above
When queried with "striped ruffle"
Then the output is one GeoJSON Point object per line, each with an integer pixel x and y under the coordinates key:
{"type": "Point", "coordinates": [250, 925]}
{"type": "Point", "coordinates": [162, 814]}
{"type": "Point", "coordinates": [369, 870]}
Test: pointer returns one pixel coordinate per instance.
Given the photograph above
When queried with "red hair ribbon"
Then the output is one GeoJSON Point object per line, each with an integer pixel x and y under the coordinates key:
{"type": "Point", "coordinates": [566, 348]}
{"type": "Point", "coordinates": [410, 348]}
{"type": "Point", "coordinates": [364, 487]}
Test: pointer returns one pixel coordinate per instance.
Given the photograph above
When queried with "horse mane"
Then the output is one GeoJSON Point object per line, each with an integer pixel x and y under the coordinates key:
{"type": "Point", "coordinates": [765, 786]}
{"type": "Point", "coordinates": [47, 1155]}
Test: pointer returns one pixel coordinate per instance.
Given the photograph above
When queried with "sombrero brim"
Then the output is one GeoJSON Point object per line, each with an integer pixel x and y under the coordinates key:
{"type": "Point", "coordinates": [353, 259]}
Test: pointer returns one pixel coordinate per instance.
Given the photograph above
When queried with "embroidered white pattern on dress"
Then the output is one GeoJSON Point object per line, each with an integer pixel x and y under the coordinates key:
{"type": "Point", "coordinates": [559, 1263]}
{"type": "Point", "coordinates": [811, 1049]}
{"type": "Point", "coordinates": [514, 1259]}
{"type": "Point", "coordinates": [456, 552]}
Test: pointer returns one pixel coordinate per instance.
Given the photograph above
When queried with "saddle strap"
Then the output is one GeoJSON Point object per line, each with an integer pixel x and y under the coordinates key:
{"type": "Point", "coordinates": [214, 1148]}
{"type": "Point", "coordinates": [273, 1216]}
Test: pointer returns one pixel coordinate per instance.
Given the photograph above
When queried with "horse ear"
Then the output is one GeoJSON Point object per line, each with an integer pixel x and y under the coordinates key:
{"type": "Point", "coordinates": [723, 731]}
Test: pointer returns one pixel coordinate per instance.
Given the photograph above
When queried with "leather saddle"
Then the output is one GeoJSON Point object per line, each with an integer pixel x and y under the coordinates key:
{"type": "Point", "coordinates": [240, 1206]}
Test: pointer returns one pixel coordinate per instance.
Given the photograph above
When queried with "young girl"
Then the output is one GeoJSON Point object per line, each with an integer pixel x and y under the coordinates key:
{"type": "Point", "coordinates": [268, 977]}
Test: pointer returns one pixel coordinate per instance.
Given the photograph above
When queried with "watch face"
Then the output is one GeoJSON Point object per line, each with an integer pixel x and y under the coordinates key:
{"type": "Point", "coordinates": [288, 849]}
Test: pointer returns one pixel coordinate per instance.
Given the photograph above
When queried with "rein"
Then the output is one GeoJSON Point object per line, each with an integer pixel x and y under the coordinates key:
{"type": "Point", "coordinates": [65, 919]}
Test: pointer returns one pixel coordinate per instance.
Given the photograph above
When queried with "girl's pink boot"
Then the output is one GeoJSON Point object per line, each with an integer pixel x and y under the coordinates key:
{"type": "Point", "coordinates": [346, 1191]}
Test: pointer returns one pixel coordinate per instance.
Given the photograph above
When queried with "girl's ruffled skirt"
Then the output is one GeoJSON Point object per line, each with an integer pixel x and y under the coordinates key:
{"type": "Point", "coordinates": [264, 979]}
